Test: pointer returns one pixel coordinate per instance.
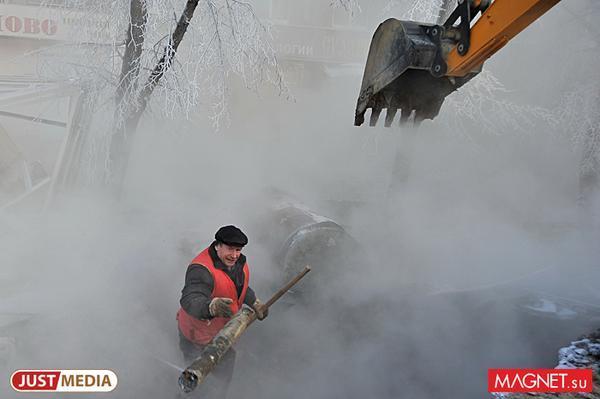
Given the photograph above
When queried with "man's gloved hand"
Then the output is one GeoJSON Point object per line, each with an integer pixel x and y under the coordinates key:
{"type": "Point", "coordinates": [219, 307]}
{"type": "Point", "coordinates": [260, 309]}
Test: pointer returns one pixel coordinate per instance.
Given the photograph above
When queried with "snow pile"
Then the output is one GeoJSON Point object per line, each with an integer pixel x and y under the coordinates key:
{"type": "Point", "coordinates": [584, 353]}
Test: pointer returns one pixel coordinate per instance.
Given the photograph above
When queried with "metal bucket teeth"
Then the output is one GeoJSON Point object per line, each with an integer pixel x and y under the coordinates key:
{"type": "Point", "coordinates": [404, 115]}
{"type": "Point", "coordinates": [389, 116]}
{"type": "Point", "coordinates": [374, 116]}
{"type": "Point", "coordinates": [397, 75]}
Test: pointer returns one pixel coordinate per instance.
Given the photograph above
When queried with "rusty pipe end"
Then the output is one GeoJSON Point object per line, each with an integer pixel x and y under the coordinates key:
{"type": "Point", "coordinates": [188, 381]}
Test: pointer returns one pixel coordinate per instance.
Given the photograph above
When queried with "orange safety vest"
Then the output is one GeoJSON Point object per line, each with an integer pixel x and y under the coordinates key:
{"type": "Point", "coordinates": [202, 331]}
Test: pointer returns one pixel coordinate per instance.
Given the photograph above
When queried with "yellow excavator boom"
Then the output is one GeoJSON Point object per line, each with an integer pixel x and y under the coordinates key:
{"type": "Point", "coordinates": [413, 66]}
{"type": "Point", "coordinates": [503, 20]}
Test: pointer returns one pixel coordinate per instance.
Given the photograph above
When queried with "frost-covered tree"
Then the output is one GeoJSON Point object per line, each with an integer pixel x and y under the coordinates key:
{"type": "Point", "coordinates": [579, 113]}
{"type": "Point", "coordinates": [170, 55]}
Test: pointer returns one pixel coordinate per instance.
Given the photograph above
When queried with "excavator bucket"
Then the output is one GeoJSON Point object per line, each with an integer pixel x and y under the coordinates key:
{"type": "Point", "coordinates": [405, 71]}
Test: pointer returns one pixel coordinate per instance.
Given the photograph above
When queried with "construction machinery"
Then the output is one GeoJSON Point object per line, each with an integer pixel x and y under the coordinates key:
{"type": "Point", "coordinates": [413, 66]}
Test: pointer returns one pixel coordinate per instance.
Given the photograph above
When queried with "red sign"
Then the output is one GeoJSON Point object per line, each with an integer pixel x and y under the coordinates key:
{"type": "Point", "coordinates": [63, 380]}
{"type": "Point", "coordinates": [28, 25]}
{"type": "Point", "coordinates": [30, 380]}
{"type": "Point", "coordinates": [539, 380]}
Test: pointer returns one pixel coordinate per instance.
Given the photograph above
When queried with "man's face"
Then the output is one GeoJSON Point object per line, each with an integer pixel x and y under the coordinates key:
{"type": "Point", "coordinates": [228, 254]}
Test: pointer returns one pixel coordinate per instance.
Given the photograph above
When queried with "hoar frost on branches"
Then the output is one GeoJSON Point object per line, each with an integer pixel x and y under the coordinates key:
{"type": "Point", "coordinates": [350, 6]}
{"type": "Point", "coordinates": [579, 113]}
{"type": "Point", "coordinates": [428, 11]}
{"type": "Point", "coordinates": [226, 38]}
{"type": "Point", "coordinates": [485, 102]}
{"type": "Point", "coordinates": [222, 38]}
{"type": "Point", "coordinates": [579, 118]}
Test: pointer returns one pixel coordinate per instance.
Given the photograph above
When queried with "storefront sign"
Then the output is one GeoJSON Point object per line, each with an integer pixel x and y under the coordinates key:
{"type": "Point", "coordinates": [36, 22]}
{"type": "Point", "coordinates": [29, 22]}
{"type": "Point", "coordinates": [317, 44]}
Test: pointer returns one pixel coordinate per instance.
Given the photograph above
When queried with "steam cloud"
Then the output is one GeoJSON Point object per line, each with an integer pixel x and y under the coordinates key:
{"type": "Point", "coordinates": [446, 265]}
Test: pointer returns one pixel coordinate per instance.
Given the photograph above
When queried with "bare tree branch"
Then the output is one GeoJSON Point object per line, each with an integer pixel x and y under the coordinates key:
{"type": "Point", "coordinates": [164, 64]}
{"type": "Point", "coordinates": [131, 64]}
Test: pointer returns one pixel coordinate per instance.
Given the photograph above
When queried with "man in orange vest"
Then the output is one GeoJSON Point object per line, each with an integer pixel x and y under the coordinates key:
{"type": "Point", "coordinates": [216, 287]}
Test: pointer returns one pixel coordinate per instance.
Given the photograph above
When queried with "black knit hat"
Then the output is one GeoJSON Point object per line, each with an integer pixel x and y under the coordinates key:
{"type": "Point", "coordinates": [231, 235]}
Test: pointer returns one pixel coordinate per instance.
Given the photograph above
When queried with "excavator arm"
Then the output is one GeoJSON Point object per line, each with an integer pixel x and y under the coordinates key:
{"type": "Point", "coordinates": [413, 66]}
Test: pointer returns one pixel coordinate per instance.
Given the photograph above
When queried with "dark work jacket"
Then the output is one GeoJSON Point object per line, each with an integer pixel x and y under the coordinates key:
{"type": "Point", "coordinates": [199, 283]}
